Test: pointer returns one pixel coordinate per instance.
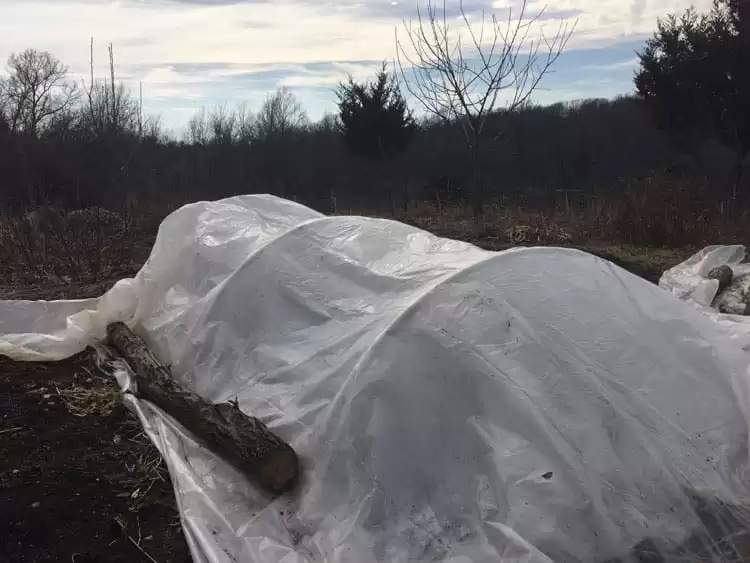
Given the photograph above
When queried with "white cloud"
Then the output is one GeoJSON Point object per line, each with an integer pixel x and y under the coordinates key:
{"type": "Point", "coordinates": [159, 31]}
{"type": "Point", "coordinates": [620, 65]}
{"type": "Point", "coordinates": [606, 21]}
{"type": "Point", "coordinates": [169, 93]}
{"type": "Point", "coordinates": [339, 72]}
{"type": "Point", "coordinates": [151, 35]}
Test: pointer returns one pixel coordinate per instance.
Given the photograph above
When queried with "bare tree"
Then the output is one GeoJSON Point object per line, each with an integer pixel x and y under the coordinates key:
{"type": "Point", "coordinates": [111, 108]}
{"type": "Point", "coordinates": [328, 124]}
{"type": "Point", "coordinates": [223, 124]}
{"type": "Point", "coordinates": [468, 80]}
{"type": "Point", "coordinates": [280, 114]}
{"type": "Point", "coordinates": [278, 125]}
{"type": "Point", "coordinates": [153, 128]}
{"type": "Point", "coordinates": [4, 110]}
{"type": "Point", "coordinates": [35, 90]}
{"type": "Point", "coordinates": [244, 124]}
{"type": "Point", "coordinates": [198, 128]}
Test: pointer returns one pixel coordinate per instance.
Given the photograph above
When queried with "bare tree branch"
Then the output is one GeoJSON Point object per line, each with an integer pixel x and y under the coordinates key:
{"type": "Point", "coordinates": [455, 85]}
{"type": "Point", "coordinates": [111, 109]}
{"type": "Point", "coordinates": [36, 90]}
{"type": "Point", "coordinates": [280, 114]}
{"type": "Point", "coordinates": [466, 86]}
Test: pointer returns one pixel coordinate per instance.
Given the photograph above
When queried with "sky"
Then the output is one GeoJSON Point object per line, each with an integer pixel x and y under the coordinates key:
{"type": "Point", "coordinates": [190, 54]}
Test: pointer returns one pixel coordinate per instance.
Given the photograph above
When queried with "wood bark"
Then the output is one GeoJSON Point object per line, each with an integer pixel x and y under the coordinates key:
{"type": "Point", "coordinates": [243, 440]}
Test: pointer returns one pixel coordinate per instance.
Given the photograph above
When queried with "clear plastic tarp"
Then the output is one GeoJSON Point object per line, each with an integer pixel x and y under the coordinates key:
{"type": "Point", "coordinates": [447, 403]}
{"type": "Point", "coordinates": [729, 306]}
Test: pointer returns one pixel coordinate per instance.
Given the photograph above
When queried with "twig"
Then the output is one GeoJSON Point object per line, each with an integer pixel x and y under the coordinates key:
{"type": "Point", "coordinates": [132, 540]}
{"type": "Point", "coordinates": [8, 430]}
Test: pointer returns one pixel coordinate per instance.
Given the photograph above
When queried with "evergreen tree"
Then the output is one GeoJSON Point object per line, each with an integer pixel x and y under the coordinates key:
{"type": "Point", "coordinates": [695, 76]}
{"type": "Point", "coordinates": [375, 120]}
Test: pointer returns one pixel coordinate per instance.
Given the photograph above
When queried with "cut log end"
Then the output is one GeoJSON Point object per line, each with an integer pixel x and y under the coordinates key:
{"type": "Point", "coordinates": [280, 471]}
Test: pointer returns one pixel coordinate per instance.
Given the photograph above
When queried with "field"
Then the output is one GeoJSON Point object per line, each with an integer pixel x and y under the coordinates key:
{"type": "Point", "coordinates": [78, 480]}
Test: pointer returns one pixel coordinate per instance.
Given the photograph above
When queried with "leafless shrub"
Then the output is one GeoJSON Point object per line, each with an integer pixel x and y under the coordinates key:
{"type": "Point", "coordinates": [661, 210]}
{"type": "Point", "coordinates": [48, 242]}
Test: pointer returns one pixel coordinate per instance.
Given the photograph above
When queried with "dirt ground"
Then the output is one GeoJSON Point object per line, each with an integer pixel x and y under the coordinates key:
{"type": "Point", "coordinates": [79, 481]}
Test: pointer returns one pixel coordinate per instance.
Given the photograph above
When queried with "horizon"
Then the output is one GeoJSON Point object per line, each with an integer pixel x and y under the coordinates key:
{"type": "Point", "coordinates": [193, 54]}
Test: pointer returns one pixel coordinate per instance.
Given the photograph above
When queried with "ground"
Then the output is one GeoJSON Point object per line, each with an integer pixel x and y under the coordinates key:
{"type": "Point", "coordinates": [79, 481]}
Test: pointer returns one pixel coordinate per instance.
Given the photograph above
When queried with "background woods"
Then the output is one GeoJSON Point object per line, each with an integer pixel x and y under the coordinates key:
{"type": "Point", "coordinates": [661, 167]}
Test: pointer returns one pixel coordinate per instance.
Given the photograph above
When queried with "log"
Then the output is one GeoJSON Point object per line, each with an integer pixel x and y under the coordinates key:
{"type": "Point", "coordinates": [243, 440]}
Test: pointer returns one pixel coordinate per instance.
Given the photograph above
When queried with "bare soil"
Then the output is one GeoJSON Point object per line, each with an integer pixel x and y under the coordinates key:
{"type": "Point", "coordinates": [79, 481]}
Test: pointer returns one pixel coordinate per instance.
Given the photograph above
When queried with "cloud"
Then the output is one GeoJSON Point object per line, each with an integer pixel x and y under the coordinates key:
{"type": "Point", "coordinates": [205, 2]}
{"type": "Point", "coordinates": [253, 24]}
{"type": "Point", "coordinates": [190, 86]}
{"type": "Point", "coordinates": [619, 65]}
{"type": "Point", "coordinates": [235, 81]}
{"type": "Point", "coordinates": [395, 10]}
{"type": "Point", "coordinates": [193, 52]}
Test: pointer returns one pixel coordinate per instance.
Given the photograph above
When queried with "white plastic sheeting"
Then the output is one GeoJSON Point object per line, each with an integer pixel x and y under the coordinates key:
{"type": "Point", "coordinates": [689, 281]}
{"type": "Point", "coordinates": [447, 403]}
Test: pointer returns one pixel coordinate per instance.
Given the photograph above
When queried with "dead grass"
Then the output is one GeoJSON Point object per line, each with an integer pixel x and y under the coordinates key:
{"type": "Point", "coordinates": [500, 223]}
{"type": "Point", "coordinates": [86, 395]}
{"type": "Point", "coordinates": [146, 468]}
{"type": "Point", "coordinates": [661, 211]}
{"type": "Point", "coordinates": [92, 395]}
{"type": "Point", "coordinates": [82, 401]}
{"type": "Point", "coordinates": [658, 211]}
{"type": "Point", "coordinates": [644, 225]}
{"type": "Point", "coordinates": [665, 210]}
{"type": "Point", "coordinates": [81, 245]}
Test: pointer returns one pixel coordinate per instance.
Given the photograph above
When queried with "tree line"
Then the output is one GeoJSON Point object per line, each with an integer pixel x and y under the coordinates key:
{"type": "Point", "coordinates": [481, 138]}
